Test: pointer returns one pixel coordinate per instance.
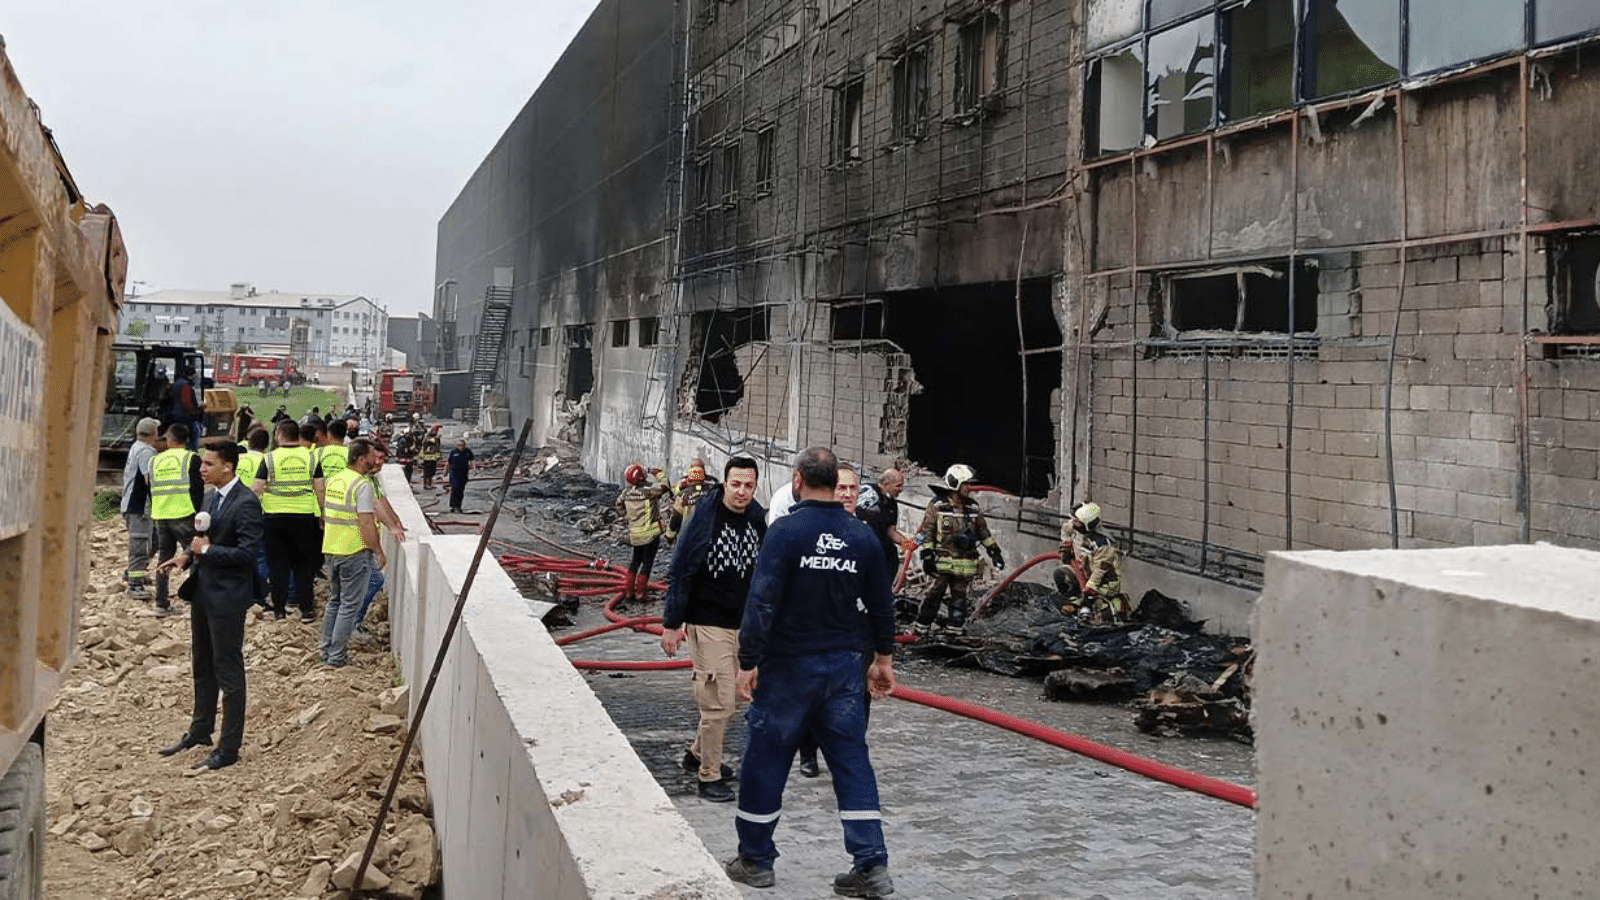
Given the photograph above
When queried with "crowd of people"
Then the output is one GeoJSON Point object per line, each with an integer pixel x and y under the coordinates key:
{"type": "Point", "coordinates": [255, 523]}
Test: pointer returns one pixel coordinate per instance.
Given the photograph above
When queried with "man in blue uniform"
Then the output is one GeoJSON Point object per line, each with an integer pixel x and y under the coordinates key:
{"type": "Point", "coordinates": [800, 663]}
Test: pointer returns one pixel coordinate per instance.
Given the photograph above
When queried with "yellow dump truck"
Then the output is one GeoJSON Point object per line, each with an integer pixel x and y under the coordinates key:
{"type": "Point", "coordinates": [62, 269]}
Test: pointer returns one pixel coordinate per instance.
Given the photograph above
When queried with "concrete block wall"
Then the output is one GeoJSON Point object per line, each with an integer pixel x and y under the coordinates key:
{"type": "Point", "coordinates": [1430, 734]}
{"type": "Point", "coordinates": [536, 793]}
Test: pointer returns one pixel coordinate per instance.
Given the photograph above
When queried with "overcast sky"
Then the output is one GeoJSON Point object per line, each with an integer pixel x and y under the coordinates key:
{"type": "Point", "coordinates": [300, 145]}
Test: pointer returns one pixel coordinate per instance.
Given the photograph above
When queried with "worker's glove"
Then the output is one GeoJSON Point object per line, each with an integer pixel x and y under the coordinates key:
{"type": "Point", "coordinates": [930, 563]}
{"type": "Point", "coordinates": [997, 557]}
{"type": "Point", "coordinates": [1090, 590]}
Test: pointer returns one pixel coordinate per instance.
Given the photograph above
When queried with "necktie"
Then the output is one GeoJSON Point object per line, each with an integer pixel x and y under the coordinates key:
{"type": "Point", "coordinates": [216, 503]}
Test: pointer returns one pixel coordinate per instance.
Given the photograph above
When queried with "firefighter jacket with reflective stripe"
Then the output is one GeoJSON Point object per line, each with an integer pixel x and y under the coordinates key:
{"type": "Point", "coordinates": [333, 459]}
{"type": "Point", "coordinates": [954, 528]}
{"type": "Point", "coordinates": [1097, 553]}
{"type": "Point", "coordinates": [287, 472]}
{"type": "Point", "coordinates": [341, 534]}
{"type": "Point", "coordinates": [430, 449]}
{"type": "Point", "coordinates": [637, 505]}
{"type": "Point", "coordinates": [171, 485]}
{"type": "Point", "coordinates": [249, 463]}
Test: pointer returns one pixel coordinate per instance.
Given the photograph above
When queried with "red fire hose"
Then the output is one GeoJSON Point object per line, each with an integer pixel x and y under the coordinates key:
{"type": "Point", "coordinates": [1006, 581]}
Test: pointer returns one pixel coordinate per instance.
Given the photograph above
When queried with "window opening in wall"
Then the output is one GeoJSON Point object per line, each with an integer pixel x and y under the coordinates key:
{"type": "Point", "coordinates": [1259, 68]}
{"type": "Point", "coordinates": [1573, 266]}
{"type": "Point", "coordinates": [978, 61]}
{"type": "Point", "coordinates": [856, 321]}
{"type": "Point", "coordinates": [718, 335]}
{"type": "Point", "coordinates": [649, 331]}
{"type": "Point", "coordinates": [1353, 44]}
{"type": "Point", "coordinates": [1116, 99]}
{"type": "Point", "coordinates": [1181, 79]}
{"type": "Point", "coordinates": [847, 102]}
{"type": "Point", "coordinates": [580, 360]}
{"type": "Point", "coordinates": [1241, 304]}
{"type": "Point", "coordinates": [730, 174]}
{"type": "Point", "coordinates": [1557, 19]}
{"type": "Point", "coordinates": [702, 182]}
{"type": "Point", "coordinates": [1446, 32]}
{"type": "Point", "coordinates": [764, 148]}
{"type": "Point", "coordinates": [619, 333]}
{"type": "Point", "coordinates": [964, 344]}
{"type": "Point", "coordinates": [544, 336]}
{"type": "Point", "coordinates": [910, 95]}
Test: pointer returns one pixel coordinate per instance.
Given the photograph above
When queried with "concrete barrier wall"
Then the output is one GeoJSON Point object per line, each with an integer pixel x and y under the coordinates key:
{"type": "Point", "coordinates": [1426, 724]}
{"type": "Point", "coordinates": [536, 793]}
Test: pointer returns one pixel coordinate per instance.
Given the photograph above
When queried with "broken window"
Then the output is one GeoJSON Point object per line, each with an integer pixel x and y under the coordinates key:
{"type": "Point", "coordinates": [719, 334]}
{"type": "Point", "coordinates": [730, 173]}
{"type": "Point", "coordinates": [1112, 20]}
{"type": "Point", "coordinates": [649, 331]}
{"type": "Point", "coordinates": [1448, 32]}
{"type": "Point", "coordinates": [544, 336]}
{"type": "Point", "coordinates": [1116, 101]}
{"type": "Point", "coordinates": [1164, 11]}
{"type": "Point", "coordinates": [1259, 65]}
{"type": "Point", "coordinates": [1557, 19]}
{"type": "Point", "coordinates": [857, 321]}
{"type": "Point", "coordinates": [910, 96]}
{"type": "Point", "coordinates": [847, 102]}
{"type": "Point", "coordinates": [702, 182]}
{"type": "Point", "coordinates": [580, 360]}
{"type": "Point", "coordinates": [764, 148]}
{"type": "Point", "coordinates": [1181, 79]}
{"type": "Point", "coordinates": [1353, 44]}
{"type": "Point", "coordinates": [1242, 300]}
{"type": "Point", "coordinates": [1574, 264]}
{"type": "Point", "coordinates": [619, 333]}
{"type": "Point", "coordinates": [978, 61]}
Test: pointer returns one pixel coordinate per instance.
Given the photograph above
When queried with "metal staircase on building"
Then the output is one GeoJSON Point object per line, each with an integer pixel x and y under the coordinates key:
{"type": "Point", "coordinates": [491, 342]}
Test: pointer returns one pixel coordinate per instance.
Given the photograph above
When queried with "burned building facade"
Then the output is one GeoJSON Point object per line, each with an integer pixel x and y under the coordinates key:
{"type": "Point", "coordinates": [1253, 274]}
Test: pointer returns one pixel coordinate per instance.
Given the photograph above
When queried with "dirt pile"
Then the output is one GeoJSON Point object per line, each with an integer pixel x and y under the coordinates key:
{"type": "Point", "coordinates": [319, 746]}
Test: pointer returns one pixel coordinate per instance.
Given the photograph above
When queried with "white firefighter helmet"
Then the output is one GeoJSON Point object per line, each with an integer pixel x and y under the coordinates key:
{"type": "Point", "coordinates": [958, 475]}
{"type": "Point", "coordinates": [1088, 514]}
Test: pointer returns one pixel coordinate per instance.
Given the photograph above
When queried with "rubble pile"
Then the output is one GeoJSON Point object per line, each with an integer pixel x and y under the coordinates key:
{"type": "Point", "coordinates": [319, 746]}
{"type": "Point", "coordinates": [1180, 680]}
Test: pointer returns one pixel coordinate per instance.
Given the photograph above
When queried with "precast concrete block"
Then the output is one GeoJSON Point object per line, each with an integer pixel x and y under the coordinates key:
{"type": "Point", "coordinates": [1425, 723]}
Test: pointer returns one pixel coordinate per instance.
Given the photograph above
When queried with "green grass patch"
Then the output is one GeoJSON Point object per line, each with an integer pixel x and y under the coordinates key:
{"type": "Point", "coordinates": [298, 403]}
{"type": "Point", "coordinates": [107, 504]}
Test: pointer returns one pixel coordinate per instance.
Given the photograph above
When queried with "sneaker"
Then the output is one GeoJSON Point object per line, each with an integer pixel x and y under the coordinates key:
{"type": "Point", "coordinates": [716, 791]}
{"type": "Point", "coordinates": [163, 611]}
{"type": "Point", "coordinates": [809, 767]}
{"type": "Point", "coordinates": [691, 764]}
{"type": "Point", "coordinates": [746, 872]}
{"type": "Point", "coordinates": [873, 882]}
{"type": "Point", "coordinates": [307, 616]}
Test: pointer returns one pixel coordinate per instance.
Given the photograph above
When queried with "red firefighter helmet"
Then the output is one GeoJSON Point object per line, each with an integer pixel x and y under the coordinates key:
{"type": "Point", "coordinates": [634, 474]}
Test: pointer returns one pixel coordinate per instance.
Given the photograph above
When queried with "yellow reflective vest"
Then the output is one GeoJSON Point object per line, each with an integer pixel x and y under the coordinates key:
{"type": "Point", "coordinates": [169, 485]}
{"type": "Point", "coordinates": [341, 535]}
{"type": "Point", "coordinates": [287, 472]}
{"type": "Point", "coordinates": [333, 459]}
{"type": "Point", "coordinates": [249, 463]}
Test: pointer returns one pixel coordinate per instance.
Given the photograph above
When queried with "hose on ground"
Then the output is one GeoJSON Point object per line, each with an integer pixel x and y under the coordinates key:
{"type": "Point", "coordinates": [1010, 577]}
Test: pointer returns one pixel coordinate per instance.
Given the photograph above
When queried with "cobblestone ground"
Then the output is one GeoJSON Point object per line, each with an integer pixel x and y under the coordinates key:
{"type": "Point", "coordinates": [970, 811]}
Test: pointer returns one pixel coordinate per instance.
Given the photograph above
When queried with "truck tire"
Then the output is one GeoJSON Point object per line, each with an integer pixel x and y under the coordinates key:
{"type": "Point", "coordinates": [22, 827]}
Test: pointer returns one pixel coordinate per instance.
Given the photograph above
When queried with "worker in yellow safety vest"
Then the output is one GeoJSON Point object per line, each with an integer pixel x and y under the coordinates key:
{"type": "Point", "coordinates": [176, 490]}
{"type": "Point", "coordinates": [293, 521]}
{"type": "Point", "coordinates": [328, 458]}
{"type": "Point", "coordinates": [350, 542]}
{"type": "Point", "coordinates": [637, 506]}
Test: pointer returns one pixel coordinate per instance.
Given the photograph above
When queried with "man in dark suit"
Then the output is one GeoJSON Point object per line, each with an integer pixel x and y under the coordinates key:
{"type": "Point", "coordinates": [223, 556]}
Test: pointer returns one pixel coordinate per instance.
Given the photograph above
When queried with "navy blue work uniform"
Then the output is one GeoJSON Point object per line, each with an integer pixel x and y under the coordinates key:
{"type": "Point", "coordinates": [819, 569]}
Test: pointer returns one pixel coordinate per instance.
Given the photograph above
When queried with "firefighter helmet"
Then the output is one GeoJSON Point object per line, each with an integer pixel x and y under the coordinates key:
{"type": "Point", "coordinates": [1089, 515]}
{"type": "Point", "coordinates": [634, 474]}
{"type": "Point", "coordinates": [958, 475]}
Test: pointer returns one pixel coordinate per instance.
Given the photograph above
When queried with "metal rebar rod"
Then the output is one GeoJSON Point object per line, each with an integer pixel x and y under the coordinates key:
{"type": "Point", "coordinates": [438, 659]}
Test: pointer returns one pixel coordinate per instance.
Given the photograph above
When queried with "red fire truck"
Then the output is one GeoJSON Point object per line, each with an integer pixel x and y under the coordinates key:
{"type": "Point", "coordinates": [400, 391]}
{"type": "Point", "coordinates": [240, 369]}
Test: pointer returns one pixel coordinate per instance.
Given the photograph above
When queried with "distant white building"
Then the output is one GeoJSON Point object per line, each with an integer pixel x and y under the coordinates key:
{"type": "Point", "coordinates": [317, 329]}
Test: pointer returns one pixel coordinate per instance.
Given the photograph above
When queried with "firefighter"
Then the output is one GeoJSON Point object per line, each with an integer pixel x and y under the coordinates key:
{"type": "Point", "coordinates": [429, 456]}
{"type": "Point", "coordinates": [637, 506]}
{"type": "Point", "coordinates": [1089, 578]}
{"type": "Point", "coordinates": [385, 431]}
{"type": "Point", "coordinates": [696, 484]}
{"type": "Point", "coordinates": [952, 529]}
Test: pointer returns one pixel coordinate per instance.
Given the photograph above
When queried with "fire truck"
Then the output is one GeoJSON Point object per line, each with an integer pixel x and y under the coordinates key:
{"type": "Point", "coordinates": [400, 391]}
{"type": "Point", "coordinates": [247, 371]}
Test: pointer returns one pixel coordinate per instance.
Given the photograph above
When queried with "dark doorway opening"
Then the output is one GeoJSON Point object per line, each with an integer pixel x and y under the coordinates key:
{"type": "Point", "coordinates": [965, 348]}
{"type": "Point", "coordinates": [580, 360]}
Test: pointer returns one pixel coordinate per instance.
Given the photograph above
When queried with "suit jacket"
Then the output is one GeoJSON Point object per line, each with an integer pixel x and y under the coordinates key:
{"type": "Point", "coordinates": [225, 576]}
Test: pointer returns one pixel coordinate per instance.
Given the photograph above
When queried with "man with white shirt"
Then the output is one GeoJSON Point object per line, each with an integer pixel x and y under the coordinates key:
{"type": "Point", "coordinates": [222, 557]}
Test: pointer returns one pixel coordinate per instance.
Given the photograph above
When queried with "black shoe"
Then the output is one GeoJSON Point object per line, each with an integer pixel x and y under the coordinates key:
{"type": "Point", "coordinates": [691, 764]}
{"type": "Point", "coordinates": [809, 768]}
{"type": "Point", "coordinates": [873, 882]}
{"type": "Point", "coordinates": [279, 615]}
{"type": "Point", "coordinates": [307, 616]}
{"type": "Point", "coordinates": [746, 872]}
{"type": "Point", "coordinates": [217, 759]}
{"type": "Point", "coordinates": [716, 791]}
{"type": "Point", "coordinates": [183, 744]}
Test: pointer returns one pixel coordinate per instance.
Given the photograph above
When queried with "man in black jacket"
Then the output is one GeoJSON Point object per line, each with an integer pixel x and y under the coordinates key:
{"type": "Point", "coordinates": [222, 556]}
{"type": "Point", "coordinates": [706, 588]}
